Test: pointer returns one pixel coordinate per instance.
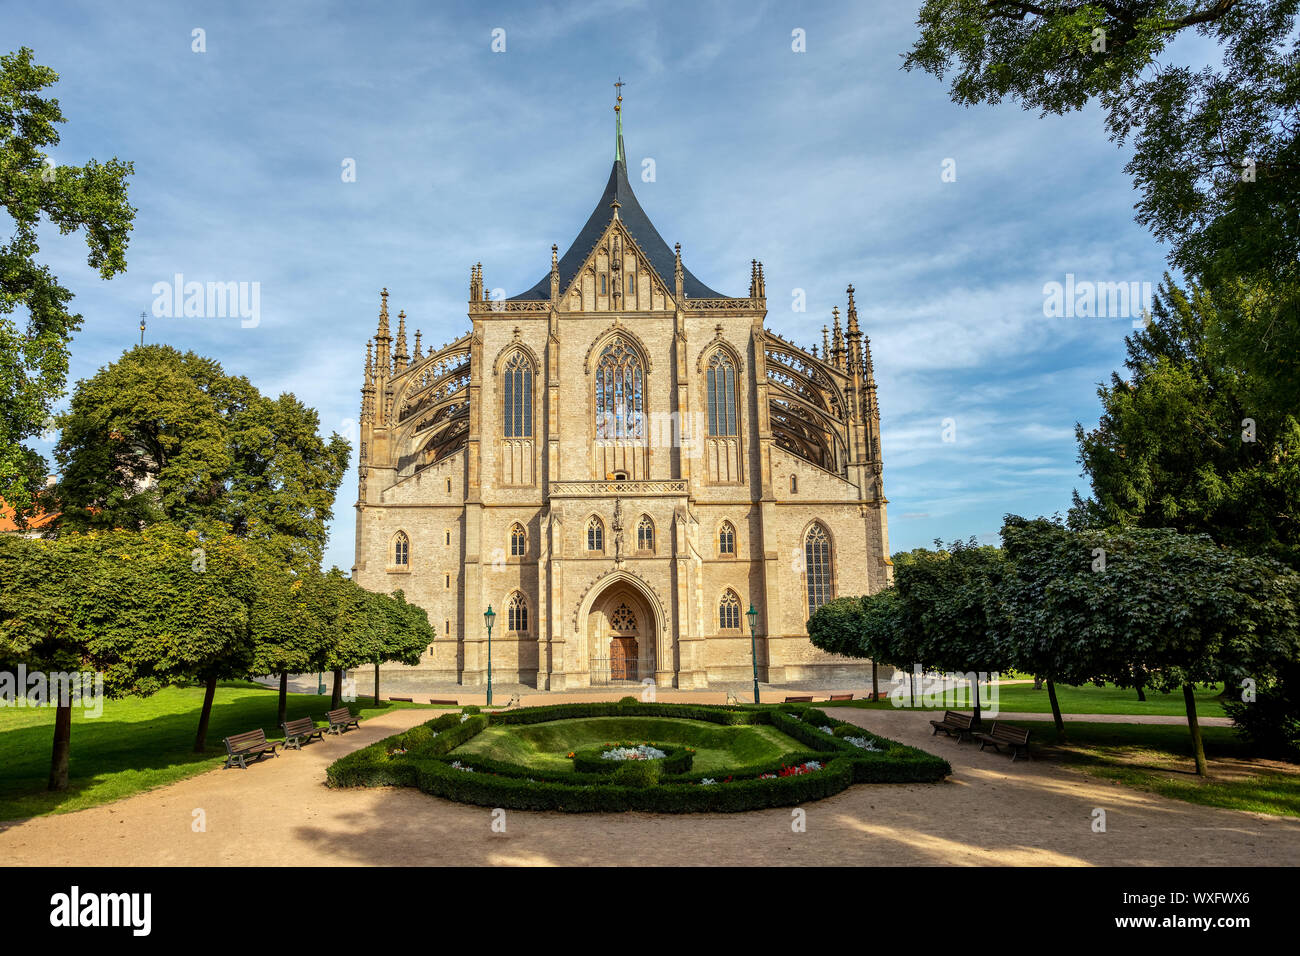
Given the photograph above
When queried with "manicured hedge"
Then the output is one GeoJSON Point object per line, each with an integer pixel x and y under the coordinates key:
{"type": "Point", "coordinates": [660, 786]}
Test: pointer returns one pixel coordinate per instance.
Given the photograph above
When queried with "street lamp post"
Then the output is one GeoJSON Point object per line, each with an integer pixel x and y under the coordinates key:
{"type": "Point", "coordinates": [752, 614]}
{"type": "Point", "coordinates": [488, 617]}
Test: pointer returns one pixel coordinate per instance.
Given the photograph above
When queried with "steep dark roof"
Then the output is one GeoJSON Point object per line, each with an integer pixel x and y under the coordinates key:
{"type": "Point", "coordinates": [659, 253]}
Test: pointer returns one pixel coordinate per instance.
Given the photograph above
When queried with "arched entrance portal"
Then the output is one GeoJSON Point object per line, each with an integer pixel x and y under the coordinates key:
{"type": "Point", "coordinates": [621, 637]}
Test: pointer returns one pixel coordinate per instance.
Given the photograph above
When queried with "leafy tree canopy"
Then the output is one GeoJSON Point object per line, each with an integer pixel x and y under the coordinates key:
{"type": "Point", "coordinates": [33, 190]}
{"type": "Point", "coordinates": [162, 435]}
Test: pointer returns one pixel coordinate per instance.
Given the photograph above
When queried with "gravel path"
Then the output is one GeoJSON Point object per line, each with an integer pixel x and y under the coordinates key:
{"type": "Point", "coordinates": [990, 812]}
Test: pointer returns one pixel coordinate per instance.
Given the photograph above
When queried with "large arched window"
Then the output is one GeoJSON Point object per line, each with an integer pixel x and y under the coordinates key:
{"type": "Point", "coordinates": [517, 614]}
{"type": "Point", "coordinates": [518, 397]}
{"type": "Point", "coordinates": [645, 534]}
{"type": "Point", "coordinates": [727, 538]}
{"type": "Point", "coordinates": [817, 558]}
{"type": "Point", "coordinates": [518, 541]}
{"type": "Point", "coordinates": [620, 383]}
{"type": "Point", "coordinates": [729, 611]}
{"type": "Point", "coordinates": [595, 534]}
{"type": "Point", "coordinates": [722, 394]}
{"type": "Point", "coordinates": [401, 550]}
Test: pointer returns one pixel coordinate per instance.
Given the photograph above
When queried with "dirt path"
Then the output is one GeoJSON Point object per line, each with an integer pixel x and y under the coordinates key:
{"type": "Point", "coordinates": [990, 812]}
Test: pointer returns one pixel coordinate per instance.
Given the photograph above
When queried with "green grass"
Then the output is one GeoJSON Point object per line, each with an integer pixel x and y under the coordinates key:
{"type": "Point", "coordinates": [1158, 758]}
{"type": "Point", "coordinates": [546, 746]}
{"type": "Point", "coordinates": [137, 743]}
{"type": "Point", "coordinates": [1089, 699]}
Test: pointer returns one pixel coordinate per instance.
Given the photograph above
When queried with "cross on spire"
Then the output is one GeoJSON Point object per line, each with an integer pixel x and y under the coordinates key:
{"type": "Point", "coordinates": [618, 123]}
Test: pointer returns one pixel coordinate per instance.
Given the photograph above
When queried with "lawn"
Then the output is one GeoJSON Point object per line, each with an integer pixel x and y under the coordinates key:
{"type": "Point", "coordinates": [137, 743]}
{"type": "Point", "coordinates": [1088, 699]}
{"type": "Point", "coordinates": [545, 746]}
{"type": "Point", "coordinates": [1158, 758]}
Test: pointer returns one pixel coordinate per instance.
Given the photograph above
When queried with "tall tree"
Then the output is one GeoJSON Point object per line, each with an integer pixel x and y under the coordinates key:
{"type": "Point", "coordinates": [866, 627]}
{"type": "Point", "coordinates": [162, 435]}
{"type": "Point", "coordinates": [1191, 440]}
{"type": "Point", "coordinates": [286, 626]}
{"type": "Point", "coordinates": [34, 190]}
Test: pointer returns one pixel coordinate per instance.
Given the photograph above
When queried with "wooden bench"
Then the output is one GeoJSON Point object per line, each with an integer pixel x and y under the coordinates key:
{"type": "Point", "coordinates": [341, 719]}
{"type": "Point", "coordinates": [954, 723]}
{"type": "Point", "coordinates": [449, 703]}
{"type": "Point", "coordinates": [404, 700]}
{"type": "Point", "coordinates": [296, 731]}
{"type": "Point", "coordinates": [840, 697]}
{"type": "Point", "coordinates": [1001, 735]}
{"type": "Point", "coordinates": [239, 747]}
{"type": "Point", "coordinates": [799, 700]}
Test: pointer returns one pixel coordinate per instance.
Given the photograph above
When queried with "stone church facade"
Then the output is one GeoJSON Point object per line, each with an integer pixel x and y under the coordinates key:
{"type": "Point", "coordinates": [620, 461]}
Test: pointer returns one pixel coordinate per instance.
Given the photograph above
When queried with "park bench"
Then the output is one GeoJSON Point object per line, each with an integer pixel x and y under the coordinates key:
{"type": "Point", "coordinates": [448, 703]}
{"type": "Point", "coordinates": [1001, 735]}
{"type": "Point", "coordinates": [296, 731]}
{"type": "Point", "coordinates": [341, 719]}
{"type": "Point", "coordinates": [239, 747]}
{"type": "Point", "coordinates": [799, 700]}
{"type": "Point", "coordinates": [404, 700]}
{"type": "Point", "coordinates": [840, 697]}
{"type": "Point", "coordinates": [954, 723]}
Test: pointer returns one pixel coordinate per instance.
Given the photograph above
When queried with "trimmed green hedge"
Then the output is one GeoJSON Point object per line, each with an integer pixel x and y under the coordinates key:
{"type": "Point", "coordinates": [658, 786]}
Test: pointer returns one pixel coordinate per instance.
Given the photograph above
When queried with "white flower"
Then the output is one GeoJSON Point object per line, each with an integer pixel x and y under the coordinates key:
{"type": "Point", "coordinates": [464, 717]}
{"type": "Point", "coordinates": [827, 730]}
{"type": "Point", "coordinates": [639, 752]}
{"type": "Point", "coordinates": [707, 781]}
{"type": "Point", "coordinates": [865, 743]}
{"type": "Point", "coordinates": [457, 765]}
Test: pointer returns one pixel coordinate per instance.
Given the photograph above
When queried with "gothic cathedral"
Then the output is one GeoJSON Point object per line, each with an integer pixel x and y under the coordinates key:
{"type": "Point", "coordinates": [621, 462]}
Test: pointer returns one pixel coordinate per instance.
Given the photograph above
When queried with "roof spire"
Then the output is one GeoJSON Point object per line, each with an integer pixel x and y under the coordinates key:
{"type": "Point", "coordinates": [618, 123]}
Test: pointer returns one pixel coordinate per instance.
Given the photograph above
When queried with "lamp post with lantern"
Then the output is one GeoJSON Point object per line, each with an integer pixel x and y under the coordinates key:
{"type": "Point", "coordinates": [488, 617]}
{"type": "Point", "coordinates": [752, 614]}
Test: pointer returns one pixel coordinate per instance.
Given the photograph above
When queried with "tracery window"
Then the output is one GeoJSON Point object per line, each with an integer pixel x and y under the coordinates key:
{"type": "Point", "coordinates": [517, 613]}
{"type": "Point", "coordinates": [721, 384]}
{"type": "Point", "coordinates": [727, 538]}
{"type": "Point", "coordinates": [517, 398]}
{"type": "Point", "coordinates": [518, 541]}
{"type": "Point", "coordinates": [729, 612]}
{"type": "Point", "coordinates": [817, 560]}
{"type": "Point", "coordinates": [620, 382]}
{"type": "Point", "coordinates": [645, 534]}
{"type": "Point", "coordinates": [622, 619]}
{"type": "Point", "coordinates": [401, 550]}
{"type": "Point", "coordinates": [595, 535]}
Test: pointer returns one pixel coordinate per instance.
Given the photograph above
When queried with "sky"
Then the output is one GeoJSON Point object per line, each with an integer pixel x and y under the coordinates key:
{"type": "Point", "coordinates": [831, 165]}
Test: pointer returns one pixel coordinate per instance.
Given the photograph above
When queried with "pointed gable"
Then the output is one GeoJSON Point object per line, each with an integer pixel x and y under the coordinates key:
{"type": "Point", "coordinates": [657, 253]}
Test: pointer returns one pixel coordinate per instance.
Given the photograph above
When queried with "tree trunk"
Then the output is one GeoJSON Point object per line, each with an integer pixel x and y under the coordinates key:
{"type": "Point", "coordinates": [376, 683]}
{"type": "Point", "coordinates": [1142, 694]}
{"type": "Point", "coordinates": [1198, 745]}
{"type": "Point", "coordinates": [62, 743]}
{"type": "Point", "coordinates": [975, 690]}
{"type": "Point", "coordinates": [201, 738]}
{"type": "Point", "coordinates": [1056, 708]}
{"type": "Point", "coordinates": [911, 687]}
{"type": "Point", "coordinates": [336, 698]}
{"type": "Point", "coordinates": [284, 697]}
{"type": "Point", "coordinates": [875, 683]}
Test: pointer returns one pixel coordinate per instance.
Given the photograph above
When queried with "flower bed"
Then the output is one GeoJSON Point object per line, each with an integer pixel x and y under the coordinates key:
{"type": "Point", "coordinates": [640, 780]}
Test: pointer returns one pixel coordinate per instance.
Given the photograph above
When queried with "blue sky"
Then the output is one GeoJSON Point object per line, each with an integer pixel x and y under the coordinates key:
{"type": "Point", "coordinates": [826, 165]}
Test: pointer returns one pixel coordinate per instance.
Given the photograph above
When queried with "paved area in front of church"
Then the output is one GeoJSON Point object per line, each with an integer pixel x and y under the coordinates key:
{"type": "Point", "coordinates": [991, 811]}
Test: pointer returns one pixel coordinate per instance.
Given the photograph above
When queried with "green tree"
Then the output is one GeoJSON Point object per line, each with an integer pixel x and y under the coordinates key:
{"type": "Point", "coordinates": [1148, 606]}
{"type": "Point", "coordinates": [162, 435]}
{"type": "Point", "coordinates": [33, 190]}
{"type": "Point", "coordinates": [1192, 441]}
{"type": "Point", "coordinates": [287, 632]}
{"type": "Point", "coordinates": [866, 627]}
